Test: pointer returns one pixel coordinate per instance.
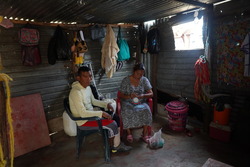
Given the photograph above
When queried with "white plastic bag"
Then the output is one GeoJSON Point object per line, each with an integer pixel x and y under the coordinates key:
{"type": "Point", "coordinates": [156, 141]}
{"type": "Point", "coordinates": [69, 125]}
{"type": "Point", "coordinates": [113, 103]}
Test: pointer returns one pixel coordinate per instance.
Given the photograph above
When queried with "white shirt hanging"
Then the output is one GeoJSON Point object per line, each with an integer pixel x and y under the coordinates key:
{"type": "Point", "coordinates": [245, 47]}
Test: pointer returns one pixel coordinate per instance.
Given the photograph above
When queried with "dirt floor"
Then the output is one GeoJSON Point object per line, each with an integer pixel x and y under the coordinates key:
{"type": "Point", "coordinates": [179, 150]}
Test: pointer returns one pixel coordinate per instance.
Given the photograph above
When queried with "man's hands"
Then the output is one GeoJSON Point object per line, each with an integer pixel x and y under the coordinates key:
{"type": "Point", "coordinates": [110, 108]}
{"type": "Point", "coordinates": [106, 115]}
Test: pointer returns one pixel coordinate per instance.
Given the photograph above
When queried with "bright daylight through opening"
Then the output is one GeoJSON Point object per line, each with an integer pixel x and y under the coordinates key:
{"type": "Point", "coordinates": [188, 36]}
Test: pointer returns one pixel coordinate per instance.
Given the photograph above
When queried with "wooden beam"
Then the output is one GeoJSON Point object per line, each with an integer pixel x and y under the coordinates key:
{"type": "Point", "coordinates": [125, 25]}
{"type": "Point", "coordinates": [195, 3]}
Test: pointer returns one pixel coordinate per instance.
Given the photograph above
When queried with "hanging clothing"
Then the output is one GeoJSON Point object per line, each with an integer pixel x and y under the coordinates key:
{"type": "Point", "coordinates": [245, 47]}
{"type": "Point", "coordinates": [230, 57]}
{"type": "Point", "coordinates": [109, 52]}
{"type": "Point", "coordinates": [202, 78]}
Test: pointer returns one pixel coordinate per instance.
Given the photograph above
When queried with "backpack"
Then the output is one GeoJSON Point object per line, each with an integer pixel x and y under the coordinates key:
{"type": "Point", "coordinates": [153, 41]}
{"type": "Point", "coordinates": [124, 52]}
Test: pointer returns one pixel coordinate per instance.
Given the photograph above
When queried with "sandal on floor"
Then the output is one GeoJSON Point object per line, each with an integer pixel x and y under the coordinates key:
{"type": "Point", "coordinates": [130, 138]}
{"type": "Point", "coordinates": [188, 133]}
{"type": "Point", "coordinates": [145, 138]}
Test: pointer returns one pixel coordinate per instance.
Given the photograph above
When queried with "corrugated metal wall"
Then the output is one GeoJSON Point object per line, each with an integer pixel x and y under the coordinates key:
{"type": "Point", "coordinates": [53, 81]}
{"type": "Point", "coordinates": [176, 73]}
{"type": "Point", "coordinates": [175, 69]}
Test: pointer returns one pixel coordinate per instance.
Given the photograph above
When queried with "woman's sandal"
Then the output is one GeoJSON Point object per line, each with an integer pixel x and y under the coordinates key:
{"type": "Point", "coordinates": [145, 138]}
{"type": "Point", "coordinates": [188, 133]}
{"type": "Point", "coordinates": [130, 138]}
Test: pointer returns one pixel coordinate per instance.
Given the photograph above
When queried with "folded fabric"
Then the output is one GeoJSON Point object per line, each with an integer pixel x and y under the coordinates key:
{"type": "Point", "coordinates": [6, 23]}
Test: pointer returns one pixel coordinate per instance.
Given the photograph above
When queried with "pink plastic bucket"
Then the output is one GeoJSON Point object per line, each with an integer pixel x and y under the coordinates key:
{"type": "Point", "coordinates": [177, 115]}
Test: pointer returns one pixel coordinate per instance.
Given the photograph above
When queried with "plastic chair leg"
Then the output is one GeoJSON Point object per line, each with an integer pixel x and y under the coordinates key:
{"type": "Point", "coordinates": [121, 129]}
{"type": "Point", "coordinates": [106, 146]}
{"type": "Point", "coordinates": [79, 142]}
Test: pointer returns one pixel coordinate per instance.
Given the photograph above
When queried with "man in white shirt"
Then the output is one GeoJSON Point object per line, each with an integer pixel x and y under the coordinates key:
{"type": "Point", "coordinates": [81, 102]}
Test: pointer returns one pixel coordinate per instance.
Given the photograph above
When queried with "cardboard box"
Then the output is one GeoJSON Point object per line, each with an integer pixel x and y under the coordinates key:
{"type": "Point", "coordinates": [214, 163]}
{"type": "Point", "coordinates": [219, 132]}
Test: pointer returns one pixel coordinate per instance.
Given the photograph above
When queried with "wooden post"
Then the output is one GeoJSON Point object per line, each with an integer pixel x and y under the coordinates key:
{"type": "Point", "coordinates": [3, 122]}
{"type": "Point", "coordinates": [208, 107]}
{"type": "Point", "coordinates": [154, 83]}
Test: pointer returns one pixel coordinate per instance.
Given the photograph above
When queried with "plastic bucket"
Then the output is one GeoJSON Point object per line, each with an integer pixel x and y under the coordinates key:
{"type": "Point", "coordinates": [222, 117]}
{"type": "Point", "coordinates": [177, 115]}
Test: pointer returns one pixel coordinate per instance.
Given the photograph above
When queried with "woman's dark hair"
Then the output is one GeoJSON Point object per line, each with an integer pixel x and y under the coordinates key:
{"type": "Point", "coordinates": [82, 69]}
{"type": "Point", "coordinates": [139, 66]}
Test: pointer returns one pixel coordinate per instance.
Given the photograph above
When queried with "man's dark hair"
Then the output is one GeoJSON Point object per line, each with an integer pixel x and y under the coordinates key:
{"type": "Point", "coordinates": [139, 66]}
{"type": "Point", "coordinates": [83, 69]}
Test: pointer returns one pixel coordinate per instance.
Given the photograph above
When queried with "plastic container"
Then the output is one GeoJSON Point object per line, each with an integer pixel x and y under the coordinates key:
{"type": "Point", "coordinates": [69, 125]}
{"type": "Point", "coordinates": [222, 117]}
{"type": "Point", "coordinates": [219, 132]}
{"type": "Point", "coordinates": [177, 115]}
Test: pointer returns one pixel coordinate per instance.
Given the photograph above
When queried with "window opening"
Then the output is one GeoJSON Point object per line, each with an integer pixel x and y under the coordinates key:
{"type": "Point", "coordinates": [188, 36]}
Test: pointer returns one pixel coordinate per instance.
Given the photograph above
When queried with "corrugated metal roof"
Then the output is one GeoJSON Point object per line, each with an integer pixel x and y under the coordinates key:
{"type": "Point", "coordinates": [96, 11]}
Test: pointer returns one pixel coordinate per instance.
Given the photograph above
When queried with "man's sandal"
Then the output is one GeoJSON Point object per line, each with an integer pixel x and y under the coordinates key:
{"type": "Point", "coordinates": [130, 138]}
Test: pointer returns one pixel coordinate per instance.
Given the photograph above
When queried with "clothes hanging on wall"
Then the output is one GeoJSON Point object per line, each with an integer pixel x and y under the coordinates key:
{"type": "Point", "coordinates": [202, 78]}
{"type": "Point", "coordinates": [59, 48]}
{"type": "Point", "coordinates": [230, 58]}
{"type": "Point", "coordinates": [79, 48]}
{"type": "Point", "coordinates": [245, 48]}
{"type": "Point", "coordinates": [29, 39]}
{"type": "Point", "coordinates": [109, 52]}
{"type": "Point", "coordinates": [6, 23]}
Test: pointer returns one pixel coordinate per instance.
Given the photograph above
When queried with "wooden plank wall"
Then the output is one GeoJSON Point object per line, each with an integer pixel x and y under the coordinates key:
{"type": "Point", "coordinates": [53, 81]}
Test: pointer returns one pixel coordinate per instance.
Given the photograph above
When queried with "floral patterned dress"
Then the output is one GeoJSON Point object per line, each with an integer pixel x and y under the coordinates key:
{"type": "Point", "coordinates": [135, 114]}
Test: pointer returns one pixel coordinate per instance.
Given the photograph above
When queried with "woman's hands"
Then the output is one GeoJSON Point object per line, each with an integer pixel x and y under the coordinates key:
{"type": "Point", "coordinates": [148, 94]}
{"type": "Point", "coordinates": [133, 95]}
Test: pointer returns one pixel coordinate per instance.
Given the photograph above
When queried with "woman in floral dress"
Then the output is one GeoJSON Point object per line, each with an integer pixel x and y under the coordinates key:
{"type": "Point", "coordinates": [134, 92]}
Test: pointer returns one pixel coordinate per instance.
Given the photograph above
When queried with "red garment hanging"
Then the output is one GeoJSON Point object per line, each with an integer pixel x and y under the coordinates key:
{"type": "Point", "coordinates": [202, 77]}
